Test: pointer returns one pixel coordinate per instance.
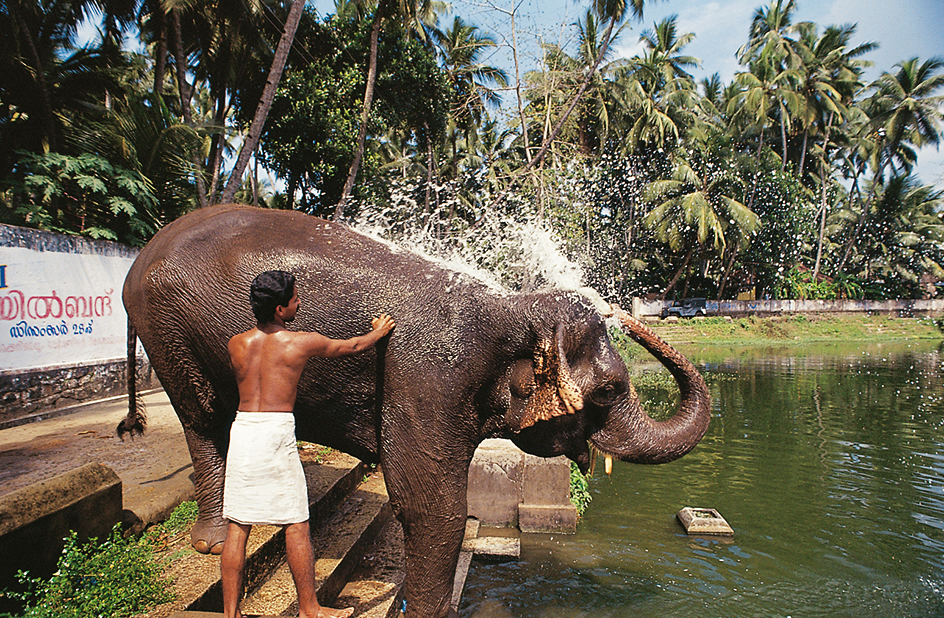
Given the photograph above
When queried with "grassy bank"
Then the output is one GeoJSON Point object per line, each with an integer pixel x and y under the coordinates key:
{"type": "Point", "coordinates": [797, 329]}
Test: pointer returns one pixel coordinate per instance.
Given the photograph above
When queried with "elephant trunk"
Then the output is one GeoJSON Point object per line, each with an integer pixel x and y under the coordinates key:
{"type": "Point", "coordinates": [629, 434]}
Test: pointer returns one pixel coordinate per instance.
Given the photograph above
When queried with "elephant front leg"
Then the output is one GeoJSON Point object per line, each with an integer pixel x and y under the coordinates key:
{"type": "Point", "coordinates": [432, 507]}
{"type": "Point", "coordinates": [431, 548]}
{"type": "Point", "coordinates": [208, 455]}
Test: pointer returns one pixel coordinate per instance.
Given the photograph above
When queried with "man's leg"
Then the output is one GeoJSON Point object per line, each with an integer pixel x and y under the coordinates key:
{"type": "Point", "coordinates": [301, 562]}
{"type": "Point", "coordinates": [231, 568]}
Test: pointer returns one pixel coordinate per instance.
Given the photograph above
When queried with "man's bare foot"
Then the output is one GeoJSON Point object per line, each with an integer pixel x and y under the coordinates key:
{"type": "Point", "coordinates": [330, 612]}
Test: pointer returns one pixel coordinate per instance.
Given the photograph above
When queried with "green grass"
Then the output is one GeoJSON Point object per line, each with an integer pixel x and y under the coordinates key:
{"type": "Point", "coordinates": [118, 577]}
{"type": "Point", "coordinates": [798, 328]}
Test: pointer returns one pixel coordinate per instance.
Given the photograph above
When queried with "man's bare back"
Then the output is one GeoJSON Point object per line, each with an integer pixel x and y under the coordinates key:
{"type": "Point", "coordinates": [269, 359]}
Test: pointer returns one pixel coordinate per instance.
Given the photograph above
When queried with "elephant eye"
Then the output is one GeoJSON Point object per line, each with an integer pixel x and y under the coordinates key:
{"type": "Point", "coordinates": [606, 394]}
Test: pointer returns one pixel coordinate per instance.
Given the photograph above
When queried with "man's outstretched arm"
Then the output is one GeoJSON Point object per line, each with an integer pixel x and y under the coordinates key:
{"type": "Point", "coordinates": [319, 345]}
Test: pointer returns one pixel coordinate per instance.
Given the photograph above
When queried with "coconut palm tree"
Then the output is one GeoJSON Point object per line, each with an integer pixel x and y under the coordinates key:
{"type": "Point", "coordinates": [698, 205]}
{"type": "Point", "coordinates": [904, 236]}
{"type": "Point", "coordinates": [460, 48]}
{"type": "Point", "coordinates": [905, 112]}
{"type": "Point", "coordinates": [657, 93]}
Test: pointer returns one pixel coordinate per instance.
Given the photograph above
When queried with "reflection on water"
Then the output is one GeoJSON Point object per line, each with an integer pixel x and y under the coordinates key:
{"type": "Point", "coordinates": [828, 463]}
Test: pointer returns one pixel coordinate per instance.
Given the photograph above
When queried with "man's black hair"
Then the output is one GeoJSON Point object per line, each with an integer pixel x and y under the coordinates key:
{"type": "Point", "coordinates": [269, 290]}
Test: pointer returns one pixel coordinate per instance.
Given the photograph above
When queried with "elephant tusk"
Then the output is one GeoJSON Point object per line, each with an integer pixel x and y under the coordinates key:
{"type": "Point", "coordinates": [608, 464]}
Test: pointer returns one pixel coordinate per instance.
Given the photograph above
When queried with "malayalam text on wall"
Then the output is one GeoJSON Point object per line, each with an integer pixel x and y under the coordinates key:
{"type": "Point", "coordinates": [59, 308]}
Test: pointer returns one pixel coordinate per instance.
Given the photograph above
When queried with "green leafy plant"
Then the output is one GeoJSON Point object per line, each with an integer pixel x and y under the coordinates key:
{"type": "Point", "coordinates": [84, 195]}
{"type": "Point", "coordinates": [579, 489]}
{"type": "Point", "coordinates": [118, 578]}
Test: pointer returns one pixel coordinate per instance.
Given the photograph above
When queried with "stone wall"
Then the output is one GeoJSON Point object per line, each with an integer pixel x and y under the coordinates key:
{"type": "Point", "coordinates": [739, 308]}
{"type": "Point", "coordinates": [63, 381]}
{"type": "Point", "coordinates": [31, 392]}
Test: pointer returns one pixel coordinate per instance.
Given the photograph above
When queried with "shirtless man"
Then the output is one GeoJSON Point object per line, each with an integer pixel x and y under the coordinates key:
{"type": "Point", "coordinates": [265, 483]}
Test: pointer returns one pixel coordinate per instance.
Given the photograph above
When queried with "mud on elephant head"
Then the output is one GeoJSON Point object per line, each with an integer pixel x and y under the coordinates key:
{"type": "Point", "coordinates": [466, 362]}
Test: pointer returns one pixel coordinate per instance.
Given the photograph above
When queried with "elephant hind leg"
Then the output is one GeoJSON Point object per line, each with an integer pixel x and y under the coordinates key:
{"type": "Point", "coordinates": [209, 532]}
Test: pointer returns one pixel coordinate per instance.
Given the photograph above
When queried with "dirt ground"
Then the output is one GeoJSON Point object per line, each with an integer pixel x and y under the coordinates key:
{"type": "Point", "coordinates": [155, 468]}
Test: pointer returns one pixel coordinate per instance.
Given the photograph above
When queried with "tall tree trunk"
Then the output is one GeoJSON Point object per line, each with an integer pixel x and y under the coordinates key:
{"type": "Point", "coordinates": [728, 265]}
{"type": "Point", "coordinates": [866, 207]}
{"type": "Point", "coordinates": [180, 63]}
{"type": "Point", "coordinates": [217, 145]}
{"type": "Point", "coordinates": [822, 221]}
{"type": "Point", "coordinates": [365, 113]}
{"type": "Point", "coordinates": [265, 102]}
{"type": "Point", "coordinates": [783, 139]}
{"type": "Point", "coordinates": [50, 140]}
{"type": "Point", "coordinates": [160, 52]}
{"type": "Point", "coordinates": [806, 135]}
{"type": "Point", "coordinates": [678, 273]}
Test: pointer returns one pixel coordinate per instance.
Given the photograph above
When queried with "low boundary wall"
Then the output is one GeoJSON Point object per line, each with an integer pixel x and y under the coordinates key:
{"type": "Point", "coordinates": [63, 329]}
{"type": "Point", "coordinates": [742, 308]}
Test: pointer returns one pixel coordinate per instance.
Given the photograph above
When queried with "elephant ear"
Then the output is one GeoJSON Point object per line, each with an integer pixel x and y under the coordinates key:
{"type": "Point", "coordinates": [555, 392]}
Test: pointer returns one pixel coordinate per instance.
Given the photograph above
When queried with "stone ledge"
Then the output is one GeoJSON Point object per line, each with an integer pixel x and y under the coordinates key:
{"type": "Point", "coordinates": [35, 520]}
{"type": "Point", "coordinates": [547, 518]}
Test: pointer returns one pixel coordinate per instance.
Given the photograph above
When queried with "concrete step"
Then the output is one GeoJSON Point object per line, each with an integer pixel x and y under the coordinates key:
{"type": "Point", "coordinates": [339, 542]}
{"type": "Point", "coordinates": [197, 576]}
{"type": "Point", "coordinates": [375, 588]}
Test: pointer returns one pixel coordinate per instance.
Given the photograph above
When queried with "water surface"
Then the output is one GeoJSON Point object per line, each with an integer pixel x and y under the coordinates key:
{"type": "Point", "coordinates": [827, 462]}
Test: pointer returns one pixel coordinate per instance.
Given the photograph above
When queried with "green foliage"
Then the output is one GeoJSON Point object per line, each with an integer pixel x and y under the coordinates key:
{"type": "Point", "coordinates": [798, 284]}
{"type": "Point", "coordinates": [118, 578]}
{"type": "Point", "coordinates": [311, 132]}
{"type": "Point", "coordinates": [579, 489]}
{"type": "Point", "coordinates": [84, 195]}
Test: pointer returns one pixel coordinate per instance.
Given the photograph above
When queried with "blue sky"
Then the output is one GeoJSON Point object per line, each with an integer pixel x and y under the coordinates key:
{"type": "Point", "coordinates": [902, 28]}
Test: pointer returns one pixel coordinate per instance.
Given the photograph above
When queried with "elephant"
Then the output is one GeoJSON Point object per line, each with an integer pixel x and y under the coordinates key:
{"type": "Point", "coordinates": [466, 362]}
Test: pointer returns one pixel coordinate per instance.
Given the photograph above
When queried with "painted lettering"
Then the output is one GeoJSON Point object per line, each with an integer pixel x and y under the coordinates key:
{"type": "Point", "coordinates": [3, 276]}
{"type": "Point", "coordinates": [25, 329]}
{"type": "Point", "coordinates": [13, 305]}
{"type": "Point", "coordinates": [17, 306]}
{"type": "Point", "coordinates": [43, 307]}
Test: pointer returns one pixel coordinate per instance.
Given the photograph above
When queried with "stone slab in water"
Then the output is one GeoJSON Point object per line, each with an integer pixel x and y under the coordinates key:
{"type": "Point", "coordinates": [704, 521]}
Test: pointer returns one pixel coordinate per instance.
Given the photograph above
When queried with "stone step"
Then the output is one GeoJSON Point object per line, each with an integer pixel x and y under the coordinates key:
{"type": "Point", "coordinates": [339, 543]}
{"type": "Point", "coordinates": [375, 588]}
{"type": "Point", "coordinates": [197, 576]}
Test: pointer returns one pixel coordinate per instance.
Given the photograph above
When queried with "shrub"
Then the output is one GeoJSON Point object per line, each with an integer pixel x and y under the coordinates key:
{"type": "Point", "coordinates": [579, 489]}
{"type": "Point", "coordinates": [118, 578]}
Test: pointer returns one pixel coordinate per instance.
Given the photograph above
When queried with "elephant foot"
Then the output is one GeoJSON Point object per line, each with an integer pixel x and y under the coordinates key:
{"type": "Point", "coordinates": [207, 537]}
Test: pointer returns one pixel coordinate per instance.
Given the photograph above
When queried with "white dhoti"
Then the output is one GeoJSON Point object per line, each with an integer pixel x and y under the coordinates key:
{"type": "Point", "coordinates": [264, 482]}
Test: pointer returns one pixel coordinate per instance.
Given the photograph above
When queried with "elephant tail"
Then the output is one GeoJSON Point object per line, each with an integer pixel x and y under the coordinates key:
{"type": "Point", "coordinates": [136, 421]}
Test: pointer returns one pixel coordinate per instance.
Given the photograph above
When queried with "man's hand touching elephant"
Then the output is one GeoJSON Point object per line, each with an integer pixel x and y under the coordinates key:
{"type": "Point", "coordinates": [382, 324]}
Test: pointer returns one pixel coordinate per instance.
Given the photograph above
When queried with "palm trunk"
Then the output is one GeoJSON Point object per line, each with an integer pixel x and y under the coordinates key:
{"type": "Point", "coordinates": [365, 114]}
{"type": "Point", "coordinates": [39, 75]}
{"type": "Point", "coordinates": [806, 135]}
{"type": "Point", "coordinates": [160, 53]}
{"type": "Point", "coordinates": [729, 264]}
{"type": "Point", "coordinates": [180, 63]}
{"type": "Point", "coordinates": [265, 102]}
{"type": "Point", "coordinates": [783, 139]}
{"type": "Point", "coordinates": [678, 274]}
{"type": "Point", "coordinates": [822, 222]}
{"type": "Point", "coordinates": [866, 206]}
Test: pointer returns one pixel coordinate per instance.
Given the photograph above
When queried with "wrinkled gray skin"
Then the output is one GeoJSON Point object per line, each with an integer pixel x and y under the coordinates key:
{"type": "Point", "coordinates": [463, 364]}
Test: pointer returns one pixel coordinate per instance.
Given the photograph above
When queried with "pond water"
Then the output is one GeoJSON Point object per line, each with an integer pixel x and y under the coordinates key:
{"type": "Point", "coordinates": [827, 462]}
